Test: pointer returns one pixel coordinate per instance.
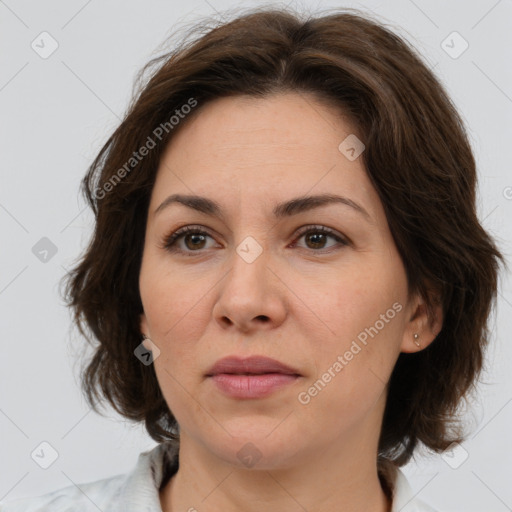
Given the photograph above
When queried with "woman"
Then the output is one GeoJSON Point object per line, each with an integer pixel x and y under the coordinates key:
{"type": "Point", "coordinates": [287, 280]}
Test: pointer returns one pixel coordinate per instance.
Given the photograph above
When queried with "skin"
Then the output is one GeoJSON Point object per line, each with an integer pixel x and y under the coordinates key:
{"type": "Point", "coordinates": [302, 301]}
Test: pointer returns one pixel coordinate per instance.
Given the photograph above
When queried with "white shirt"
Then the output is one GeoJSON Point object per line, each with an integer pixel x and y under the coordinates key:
{"type": "Point", "coordinates": [138, 490]}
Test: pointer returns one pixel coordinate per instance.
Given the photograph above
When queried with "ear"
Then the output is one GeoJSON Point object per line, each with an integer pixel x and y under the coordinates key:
{"type": "Point", "coordinates": [143, 326]}
{"type": "Point", "coordinates": [426, 324]}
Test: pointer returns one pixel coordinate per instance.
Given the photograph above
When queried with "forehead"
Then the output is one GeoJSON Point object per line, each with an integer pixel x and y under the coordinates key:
{"type": "Point", "coordinates": [252, 147]}
{"type": "Point", "coordinates": [293, 123]}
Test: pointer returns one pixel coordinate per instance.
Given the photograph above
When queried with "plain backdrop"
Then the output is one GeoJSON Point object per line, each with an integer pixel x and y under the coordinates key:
{"type": "Point", "coordinates": [56, 113]}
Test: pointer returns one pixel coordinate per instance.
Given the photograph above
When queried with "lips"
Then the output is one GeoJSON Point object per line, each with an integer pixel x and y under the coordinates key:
{"type": "Point", "coordinates": [254, 365]}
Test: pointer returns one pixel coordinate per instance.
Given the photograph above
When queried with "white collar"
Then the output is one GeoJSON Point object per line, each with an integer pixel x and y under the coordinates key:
{"type": "Point", "coordinates": [404, 498]}
{"type": "Point", "coordinates": [138, 490]}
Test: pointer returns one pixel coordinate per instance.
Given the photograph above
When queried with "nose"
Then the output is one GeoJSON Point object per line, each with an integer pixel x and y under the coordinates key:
{"type": "Point", "coordinates": [251, 295]}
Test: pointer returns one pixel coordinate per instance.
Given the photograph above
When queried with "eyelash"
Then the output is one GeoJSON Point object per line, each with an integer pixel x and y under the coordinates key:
{"type": "Point", "coordinates": [169, 241]}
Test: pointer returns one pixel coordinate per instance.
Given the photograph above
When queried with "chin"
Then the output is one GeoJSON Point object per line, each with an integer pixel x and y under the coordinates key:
{"type": "Point", "coordinates": [262, 448]}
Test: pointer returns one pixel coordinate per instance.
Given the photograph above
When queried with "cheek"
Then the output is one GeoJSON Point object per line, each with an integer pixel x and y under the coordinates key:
{"type": "Point", "coordinates": [355, 303]}
{"type": "Point", "coordinates": [172, 307]}
{"type": "Point", "coordinates": [171, 300]}
{"type": "Point", "coordinates": [365, 315]}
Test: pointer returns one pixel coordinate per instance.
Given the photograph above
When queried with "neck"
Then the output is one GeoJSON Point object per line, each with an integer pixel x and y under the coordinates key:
{"type": "Point", "coordinates": [342, 478]}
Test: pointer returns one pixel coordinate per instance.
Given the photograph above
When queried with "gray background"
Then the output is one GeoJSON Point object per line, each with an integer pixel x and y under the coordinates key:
{"type": "Point", "coordinates": [57, 112]}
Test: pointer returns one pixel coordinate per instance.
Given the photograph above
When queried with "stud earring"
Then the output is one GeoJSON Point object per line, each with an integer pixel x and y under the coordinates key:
{"type": "Point", "coordinates": [416, 342]}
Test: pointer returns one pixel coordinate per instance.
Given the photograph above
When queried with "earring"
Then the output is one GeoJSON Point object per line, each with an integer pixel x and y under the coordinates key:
{"type": "Point", "coordinates": [416, 342]}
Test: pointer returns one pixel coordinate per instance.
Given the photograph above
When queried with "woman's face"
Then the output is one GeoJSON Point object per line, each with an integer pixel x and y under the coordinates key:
{"type": "Point", "coordinates": [332, 305]}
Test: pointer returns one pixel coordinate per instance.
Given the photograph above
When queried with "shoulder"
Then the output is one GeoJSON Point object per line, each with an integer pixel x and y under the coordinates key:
{"type": "Point", "coordinates": [85, 497]}
{"type": "Point", "coordinates": [130, 492]}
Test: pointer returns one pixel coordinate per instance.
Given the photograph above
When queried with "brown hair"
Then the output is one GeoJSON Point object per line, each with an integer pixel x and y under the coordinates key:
{"type": "Point", "coordinates": [417, 156]}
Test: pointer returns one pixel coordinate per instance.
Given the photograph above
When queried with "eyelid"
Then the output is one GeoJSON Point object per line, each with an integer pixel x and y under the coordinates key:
{"type": "Point", "coordinates": [322, 229]}
{"type": "Point", "coordinates": [341, 240]}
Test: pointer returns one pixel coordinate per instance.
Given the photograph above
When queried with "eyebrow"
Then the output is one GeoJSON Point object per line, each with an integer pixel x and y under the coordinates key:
{"type": "Point", "coordinates": [281, 210]}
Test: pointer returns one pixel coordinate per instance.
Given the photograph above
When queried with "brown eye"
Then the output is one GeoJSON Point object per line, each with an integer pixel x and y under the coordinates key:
{"type": "Point", "coordinates": [316, 238]}
{"type": "Point", "coordinates": [196, 240]}
{"type": "Point", "coordinates": [193, 237]}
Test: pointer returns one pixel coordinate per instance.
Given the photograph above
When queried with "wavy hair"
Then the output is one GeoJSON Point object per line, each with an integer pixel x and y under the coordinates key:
{"type": "Point", "coordinates": [418, 158]}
